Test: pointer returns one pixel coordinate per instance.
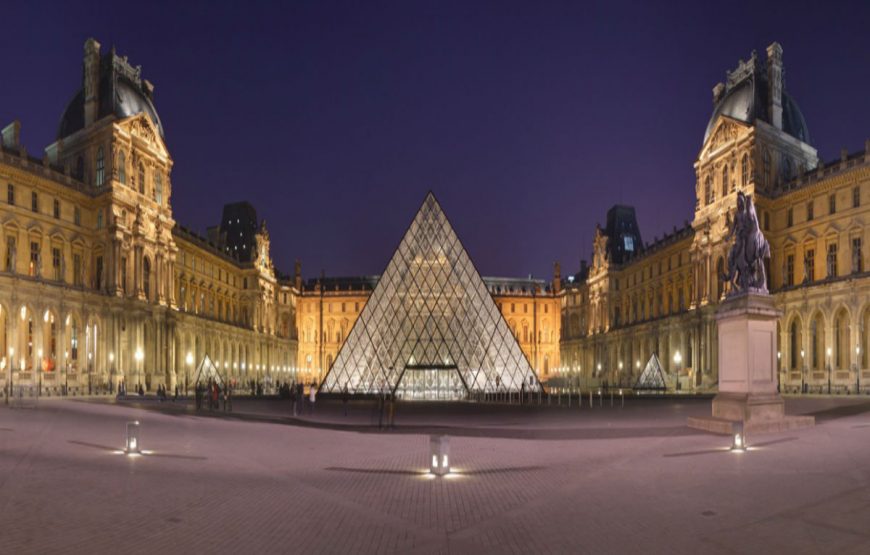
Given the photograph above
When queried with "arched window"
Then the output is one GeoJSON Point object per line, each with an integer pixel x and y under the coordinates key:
{"type": "Point", "coordinates": [708, 190]}
{"type": "Point", "coordinates": [122, 168]}
{"type": "Point", "coordinates": [725, 186]}
{"type": "Point", "coordinates": [146, 277]}
{"type": "Point", "coordinates": [101, 168]}
{"type": "Point", "coordinates": [141, 178]}
{"type": "Point", "coordinates": [744, 170]}
{"type": "Point", "coordinates": [158, 187]}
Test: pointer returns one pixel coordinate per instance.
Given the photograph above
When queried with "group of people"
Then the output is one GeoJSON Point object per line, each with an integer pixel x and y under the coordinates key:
{"type": "Point", "coordinates": [210, 393]}
{"type": "Point", "coordinates": [295, 392]}
{"type": "Point", "coordinates": [122, 389]}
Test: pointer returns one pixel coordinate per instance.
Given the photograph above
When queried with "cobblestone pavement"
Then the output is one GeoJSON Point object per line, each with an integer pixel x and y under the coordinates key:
{"type": "Point", "coordinates": [607, 482]}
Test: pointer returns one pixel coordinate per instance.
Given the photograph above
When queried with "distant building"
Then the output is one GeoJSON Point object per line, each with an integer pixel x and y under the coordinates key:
{"type": "Point", "coordinates": [661, 300]}
{"type": "Point", "coordinates": [98, 284]}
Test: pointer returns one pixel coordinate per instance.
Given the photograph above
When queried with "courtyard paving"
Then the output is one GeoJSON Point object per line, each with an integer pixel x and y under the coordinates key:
{"type": "Point", "coordinates": [530, 480]}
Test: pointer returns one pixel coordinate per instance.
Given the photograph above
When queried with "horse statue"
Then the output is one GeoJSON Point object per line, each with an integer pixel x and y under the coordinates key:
{"type": "Point", "coordinates": [746, 258]}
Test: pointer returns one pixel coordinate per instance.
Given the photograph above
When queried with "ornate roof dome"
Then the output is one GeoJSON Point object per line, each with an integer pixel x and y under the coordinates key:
{"type": "Point", "coordinates": [745, 98]}
{"type": "Point", "coordinates": [121, 91]}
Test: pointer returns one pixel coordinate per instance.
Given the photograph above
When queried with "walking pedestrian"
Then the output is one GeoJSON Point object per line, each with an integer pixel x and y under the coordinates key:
{"type": "Point", "coordinates": [312, 395]}
{"type": "Point", "coordinates": [345, 397]}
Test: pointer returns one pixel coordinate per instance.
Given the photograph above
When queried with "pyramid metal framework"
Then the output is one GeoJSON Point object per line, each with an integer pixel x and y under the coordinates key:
{"type": "Point", "coordinates": [652, 376]}
{"type": "Point", "coordinates": [430, 329]}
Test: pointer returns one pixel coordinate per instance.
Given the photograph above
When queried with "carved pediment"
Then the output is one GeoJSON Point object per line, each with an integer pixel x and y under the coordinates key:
{"type": "Point", "coordinates": [725, 131]}
{"type": "Point", "coordinates": [141, 127]}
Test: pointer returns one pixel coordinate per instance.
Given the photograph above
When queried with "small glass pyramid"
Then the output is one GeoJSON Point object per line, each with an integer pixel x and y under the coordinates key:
{"type": "Point", "coordinates": [652, 376]}
{"type": "Point", "coordinates": [430, 330]}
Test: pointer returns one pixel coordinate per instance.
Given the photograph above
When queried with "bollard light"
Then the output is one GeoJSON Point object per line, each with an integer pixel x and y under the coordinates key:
{"type": "Point", "coordinates": [132, 445]}
{"type": "Point", "coordinates": [439, 453]}
{"type": "Point", "coordinates": [739, 438]}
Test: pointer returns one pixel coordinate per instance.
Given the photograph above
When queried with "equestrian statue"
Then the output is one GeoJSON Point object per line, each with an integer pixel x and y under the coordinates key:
{"type": "Point", "coordinates": [746, 271]}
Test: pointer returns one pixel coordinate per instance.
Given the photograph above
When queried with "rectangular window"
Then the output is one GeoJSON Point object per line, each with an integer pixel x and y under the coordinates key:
{"type": "Point", "coordinates": [10, 254]}
{"type": "Point", "coordinates": [832, 260]}
{"type": "Point", "coordinates": [77, 269]}
{"type": "Point", "coordinates": [34, 201]}
{"type": "Point", "coordinates": [34, 258]}
{"type": "Point", "coordinates": [810, 211]}
{"type": "Point", "coordinates": [790, 217]}
{"type": "Point", "coordinates": [857, 256]}
{"type": "Point", "coordinates": [98, 278]}
{"type": "Point", "coordinates": [77, 216]}
{"type": "Point", "coordinates": [789, 270]}
{"type": "Point", "coordinates": [810, 265]}
{"type": "Point", "coordinates": [832, 204]}
{"type": "Point", "coordinates": [55, 263]}
{"type": "Point", "coordinates": [856, 197]}
{"type": "Point", "coordinates": [56, 209]}
{"type": "Point", "coordinates": [10, 194]}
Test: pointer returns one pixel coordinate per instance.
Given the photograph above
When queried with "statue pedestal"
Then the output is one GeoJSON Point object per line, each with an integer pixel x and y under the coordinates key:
{"type": "Point", "coordinates": [747, 369]}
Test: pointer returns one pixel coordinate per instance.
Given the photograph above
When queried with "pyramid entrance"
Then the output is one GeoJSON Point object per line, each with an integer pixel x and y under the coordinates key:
{"type": "Point", "coordinates": [430, 329]}
{"type": "Point", "coordinates": [431, 383]}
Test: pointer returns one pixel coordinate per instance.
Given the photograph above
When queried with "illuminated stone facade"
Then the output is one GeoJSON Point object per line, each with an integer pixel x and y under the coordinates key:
{"type": "Point", "coordinates": [98, 283]}
{"type": "Point", "coordinates": [94, 269]}
{"type": "Point", "coordinates": [661, 299]}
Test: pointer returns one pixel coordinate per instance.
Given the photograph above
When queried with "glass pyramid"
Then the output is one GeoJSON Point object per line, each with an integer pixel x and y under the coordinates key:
{"type": "Point", "coordinates": [652, 376]}
{"type": "Point", "coordinates": [430, 329]}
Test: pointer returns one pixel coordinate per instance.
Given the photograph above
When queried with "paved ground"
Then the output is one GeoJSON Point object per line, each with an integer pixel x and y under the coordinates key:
{"type": "Point", "coordinates": [530, 480]}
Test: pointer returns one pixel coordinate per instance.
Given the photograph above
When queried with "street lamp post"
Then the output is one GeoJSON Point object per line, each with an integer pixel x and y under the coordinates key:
{"type": "Point", "coordinates": [138, 356]}
{"type": "Point", "coordinates": [90, 370]}
{"type": "Point", "coordinates": [828, 352]}
{"type": "Point", "coordinates": [39, 373]}
{"type": "Point", "coordinates": [11, 368]}
{"type": "Point", "coordinates": [678, 358]}
{"type": "Point", "coordinates": [779, 372]}
{"type": "Point", "coordinates": [111, 371]}
{"type": "Point", "coordinates": [189, 360]}
{"type": "Point", "coordinates": [803, 373]}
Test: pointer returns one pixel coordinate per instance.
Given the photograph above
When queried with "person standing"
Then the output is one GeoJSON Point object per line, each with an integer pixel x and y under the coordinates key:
{"type": "Point", "coordinates": [345, 397]}
{"type": "Point", "coordinates": [312, 395]}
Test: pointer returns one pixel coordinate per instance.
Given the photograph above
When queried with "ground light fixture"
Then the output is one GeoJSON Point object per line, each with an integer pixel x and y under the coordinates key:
{"type": "Point", "coordinates": [738, 442]}
{"type": "Point", "coordinates": [439, 455]}
{"type": "Point", "coordinates": [132, 445]}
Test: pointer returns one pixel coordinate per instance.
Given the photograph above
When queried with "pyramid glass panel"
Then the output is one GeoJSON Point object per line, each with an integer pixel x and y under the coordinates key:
{"type": "Point", "coordinates": [430, 330]}
{"type": "Point", "coordinates": [652, 376]}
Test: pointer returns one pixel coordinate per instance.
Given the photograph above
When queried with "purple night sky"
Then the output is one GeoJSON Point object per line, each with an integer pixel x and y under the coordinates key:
{"type": "Point", "coordinates": [527, 119]}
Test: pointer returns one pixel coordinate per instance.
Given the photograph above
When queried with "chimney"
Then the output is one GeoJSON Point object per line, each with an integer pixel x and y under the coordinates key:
{"type": "Point", "coordinates": [774, 80]}
{"type": "Point", "coordinates": [557, 277]}
{"type": "Point", "coordinates": [11, 135]}
{"type": "Point", "coordinates": [91, 80]}
{"type": "Point", "coordinates": [298, 275]}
